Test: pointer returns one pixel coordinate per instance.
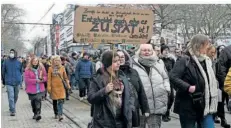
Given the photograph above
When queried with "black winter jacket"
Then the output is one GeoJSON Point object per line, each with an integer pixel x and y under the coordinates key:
{"type": "Point", "coordinates": [184, 74]}
{"type": "Point", "coordinates": [169, 63]}
{"type": "Point", "coordinates": [141, 101]}
{"type": "Point", "coordinates": [224, 63]}
{"type": "Point", "coordinates": [103, 116]}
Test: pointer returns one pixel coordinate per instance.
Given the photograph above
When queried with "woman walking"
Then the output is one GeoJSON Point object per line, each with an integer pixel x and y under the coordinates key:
{"type": "Point", "coordinates": [196, 86]}
{"type": "Point", "coordinates": [56, 86]}
{"type": "Point", "coordinates": [35, 76]}
{"type": "Point", "coordinates": [137, 88]}
{"type": "Point", "coordinates": [155, 81]}
{"type": "Point", "coordinates": [111, 100]}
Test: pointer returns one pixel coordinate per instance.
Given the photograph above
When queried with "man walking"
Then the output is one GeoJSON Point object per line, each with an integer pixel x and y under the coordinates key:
{"type": "Point", "coordinates": [12, 72]}
{"type": "Point", "coordinates": [83, 74]}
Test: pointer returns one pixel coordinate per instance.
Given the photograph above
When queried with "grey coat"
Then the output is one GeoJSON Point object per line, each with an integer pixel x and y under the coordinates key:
{"type": "Point", "coordinates": [156, 86]}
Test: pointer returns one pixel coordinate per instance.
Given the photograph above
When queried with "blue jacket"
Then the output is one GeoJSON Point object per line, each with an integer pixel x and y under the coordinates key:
{"type": "Point", "coordinates": [12, 72]}
{"type": "Point", "coordinates": [84, 69]}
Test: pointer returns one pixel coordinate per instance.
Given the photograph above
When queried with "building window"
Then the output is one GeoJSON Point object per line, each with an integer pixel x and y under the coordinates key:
{"type": "Point", "coordinates": [68, 35]}
{"type": "Point", "coordinates": [69, 18]}
{"type": "Point", "coordinates": [69, 21]}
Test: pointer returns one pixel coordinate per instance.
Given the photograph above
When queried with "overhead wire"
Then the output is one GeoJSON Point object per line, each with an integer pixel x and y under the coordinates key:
{"type": "Point", "coordinates": [44, 15]}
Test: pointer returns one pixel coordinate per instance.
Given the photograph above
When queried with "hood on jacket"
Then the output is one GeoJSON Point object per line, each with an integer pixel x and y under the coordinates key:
{"type": "Point", "coordinates": [15, 53]}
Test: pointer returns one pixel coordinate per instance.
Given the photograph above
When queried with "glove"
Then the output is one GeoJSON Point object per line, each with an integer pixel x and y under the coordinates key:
{"type": "Point", "coordinates": [146, 114]}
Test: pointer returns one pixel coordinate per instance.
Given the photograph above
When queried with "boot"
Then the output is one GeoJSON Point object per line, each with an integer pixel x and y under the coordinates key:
{"type": "Point", "coordinates": [224, 123]}
{"type": "Point", "coordinates": [38, 117]}
{"type": "Point", "coordinates": [60, 118]}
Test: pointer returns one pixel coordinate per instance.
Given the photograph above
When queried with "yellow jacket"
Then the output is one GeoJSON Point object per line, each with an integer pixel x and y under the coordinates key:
{"type": "Point", "coordinates": [227, 86]}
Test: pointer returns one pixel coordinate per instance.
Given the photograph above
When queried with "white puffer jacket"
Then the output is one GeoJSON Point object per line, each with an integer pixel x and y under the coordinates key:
{"type": "Point", "coordinates": [156, 85]}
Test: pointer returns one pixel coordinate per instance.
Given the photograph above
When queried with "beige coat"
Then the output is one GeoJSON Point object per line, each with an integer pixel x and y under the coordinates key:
{"type": "Point", "coordinates": [54, 84]}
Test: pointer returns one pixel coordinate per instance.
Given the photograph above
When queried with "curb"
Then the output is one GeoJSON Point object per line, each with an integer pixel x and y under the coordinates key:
{"type": "Point", "coordinates": [71, 117]}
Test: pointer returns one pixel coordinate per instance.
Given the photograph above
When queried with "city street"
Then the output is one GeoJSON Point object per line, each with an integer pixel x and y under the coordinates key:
{"type": "Point", "coordinates": [77, 114]}
{"type": "Point", "coordinates": [23, 118]}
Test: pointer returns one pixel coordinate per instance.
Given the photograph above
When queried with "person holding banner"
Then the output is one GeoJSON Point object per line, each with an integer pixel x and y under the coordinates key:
{"type": "Point", "coordinates": [156, 84]}
{"type": "Point", "coordinates": [109, 94]}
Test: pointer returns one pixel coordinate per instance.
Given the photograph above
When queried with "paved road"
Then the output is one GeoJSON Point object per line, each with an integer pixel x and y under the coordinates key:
{"type": "Point", "coordinates": [77, 114]}
{"type": "Point", "coordinates": [23, 118]}
{"type": "Point", "coordinates": [174, 123]}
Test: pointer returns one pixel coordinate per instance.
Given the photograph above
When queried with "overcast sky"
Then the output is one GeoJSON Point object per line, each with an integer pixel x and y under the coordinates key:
{"type": "Point", "coordinates": [34, 12]}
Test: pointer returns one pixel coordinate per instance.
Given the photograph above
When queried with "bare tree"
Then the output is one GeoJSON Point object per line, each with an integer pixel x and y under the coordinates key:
{"type": "Point", "coordinates": [11, 33]}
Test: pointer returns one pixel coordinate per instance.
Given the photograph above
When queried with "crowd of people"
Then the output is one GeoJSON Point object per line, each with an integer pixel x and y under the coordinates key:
{"type": "Point", "coordinates": [135, 88]}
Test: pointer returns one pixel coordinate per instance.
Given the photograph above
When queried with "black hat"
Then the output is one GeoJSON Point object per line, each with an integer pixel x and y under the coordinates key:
{"type": "Point", "coordinates": [107, 58]}
{"type": "Point", "coordinates": [73, 54]}
{"type": "Point", "coordinates": [163, 47]}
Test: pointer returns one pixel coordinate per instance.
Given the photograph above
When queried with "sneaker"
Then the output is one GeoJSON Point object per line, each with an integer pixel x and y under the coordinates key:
{"type": "Point", "coordinates": [81, 98]}
{"type": "Point", "coordinates": [85, 97]}
{"type": "Point", "coordinates": [216, 120]}
{"type": "Point", "coordinates": [12, 114]}
{"type": "Point", "coordinates": [67, 98]}
{"type": "Point", "coordinates": [60, 118]}
{"type": "Point", "coordinates": [38, 117]}
{"type": "Point", "coordinates": [56, 116]}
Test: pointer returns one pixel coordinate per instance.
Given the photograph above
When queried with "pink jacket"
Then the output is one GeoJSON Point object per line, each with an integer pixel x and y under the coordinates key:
{"type": "Point", "coordinates": [30, 80]}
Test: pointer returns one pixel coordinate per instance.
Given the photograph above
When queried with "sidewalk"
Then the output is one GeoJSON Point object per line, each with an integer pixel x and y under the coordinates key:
{"type": "Point", "coordinates": [77, 111]}
{"type": "Point", "coordinates": [23, 118]}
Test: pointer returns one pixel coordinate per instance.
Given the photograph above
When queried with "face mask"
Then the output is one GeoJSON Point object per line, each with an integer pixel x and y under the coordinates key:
{"type": "Point", "coordinates": [11, 55]}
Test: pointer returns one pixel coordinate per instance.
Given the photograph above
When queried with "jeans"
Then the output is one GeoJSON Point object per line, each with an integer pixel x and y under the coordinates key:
{"type": "Point", "coordinates": [12, 92]}
{"type": "Point", "coordinates": [60, 106]}
{"type": "Point", "coordinates": [208, 122]}
{"type": "Point", "coordinates": [189, 123]}
{"type": "Point", "coordinates": [73, 82]}
{"type": "Point", "coordinates": [21, 82]}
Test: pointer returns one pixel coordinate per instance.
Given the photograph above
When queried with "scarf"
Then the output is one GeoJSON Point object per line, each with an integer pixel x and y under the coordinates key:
{"type": "Point", "coordinates": [37, 78]}
{"type": "Point", "coordinates": [116, 95]}
{"type": "Point", "coordinates": [211, 88]}
{"type": "Point", "coordinates": [148, 61]}
{"type": "Point", "coordinates": [55, 70]}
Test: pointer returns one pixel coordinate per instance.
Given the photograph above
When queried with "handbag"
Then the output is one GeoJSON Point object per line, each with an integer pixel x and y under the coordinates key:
{"type": "Point", "coordinates": [198, 100]}
{"type": "Point", "coordinates": [64, 82]}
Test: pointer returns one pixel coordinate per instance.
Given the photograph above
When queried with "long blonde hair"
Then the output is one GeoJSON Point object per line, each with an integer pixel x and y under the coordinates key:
{"type": "Point", "coordinates": [30, 64]}
{"type": "Point", "coordinates": [56, 58]}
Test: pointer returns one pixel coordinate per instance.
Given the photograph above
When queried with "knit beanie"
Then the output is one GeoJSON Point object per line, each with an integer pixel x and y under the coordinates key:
{"type": "Point", "coordinates": [163, 47]}
{"type": "Point", "coordinates": [107, 58]}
